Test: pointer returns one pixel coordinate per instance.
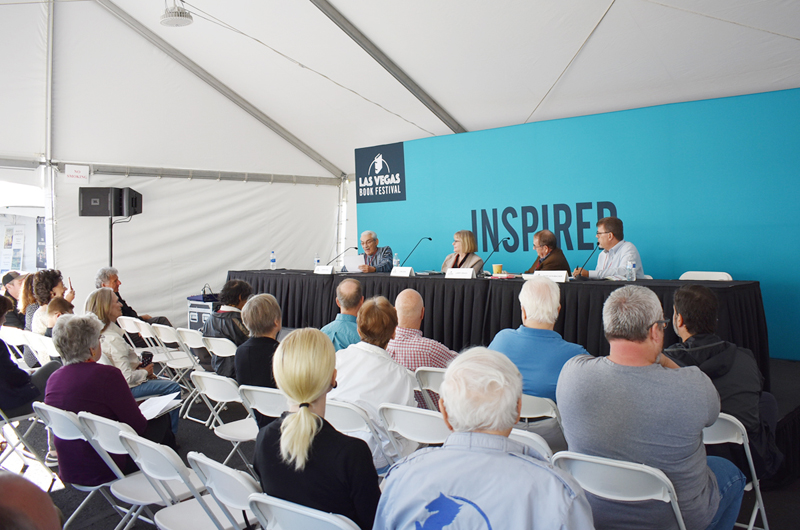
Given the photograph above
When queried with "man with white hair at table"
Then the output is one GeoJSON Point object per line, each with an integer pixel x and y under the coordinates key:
{"type": "Point", "coordinates": [480, 478]}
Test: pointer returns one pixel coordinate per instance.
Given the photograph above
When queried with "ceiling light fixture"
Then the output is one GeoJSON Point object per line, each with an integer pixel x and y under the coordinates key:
{"type": "Point", "coordinates": [175, 16]}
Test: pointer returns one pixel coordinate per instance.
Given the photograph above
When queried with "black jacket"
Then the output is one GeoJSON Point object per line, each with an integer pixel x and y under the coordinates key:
{"type": "Point", "coordinates": [227, 325]}
{"type": "Point", "coordinates": [14, 318]}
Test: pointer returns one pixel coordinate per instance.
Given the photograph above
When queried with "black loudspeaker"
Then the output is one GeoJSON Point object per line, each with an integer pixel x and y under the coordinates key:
{"type": "Point", "coordinates": [109, 202]}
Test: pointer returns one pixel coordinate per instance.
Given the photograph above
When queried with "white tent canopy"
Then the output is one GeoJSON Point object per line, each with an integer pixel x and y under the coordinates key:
{"type": "Point", "coordinates": [283, 92]}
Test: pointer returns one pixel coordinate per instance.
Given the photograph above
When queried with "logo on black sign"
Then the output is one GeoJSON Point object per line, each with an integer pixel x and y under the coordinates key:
{"type": "Point", "coordinates": [380, 173]}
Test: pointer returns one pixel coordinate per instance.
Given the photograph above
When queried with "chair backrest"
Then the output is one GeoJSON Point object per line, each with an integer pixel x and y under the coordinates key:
{"type": "Point", "coordinates": [217, 387]}
{"type": "Point", "coordinates": [706, 275]}
{"type": "Point", "coordinates": [13, 337]}
{"type": "Point", "coordinates": [429, 379]}
{"type": "Point", "coordinates": [230, 487]}
{"type": "Point", "coordinates": [105, 432]}
{"type": "Point", "coordinates": [129, 325]}
{"type": "Point", "coordinates": [219, 346]}
{"type": "Point", "coordinates": [270, 510]}
{"type": "Point", "coordinates": [726, 429]}
{"type": "Point", "coordinates": [268, 401]}
{"type": "Point", "coordinates": [538, 407]}
{"type": "Point", "coordinates": [534, 440]}
{"type": "Point", "coordinates": [159, 463]}
{"type": "Point", "coordinates": [619, 480]}
{"type": "Point", "coordinates": [63, 423]}
{"type": "Point", "coordinates": [168, 334]}
{"type": "Point", "coordinates": [192, 338]}
{"type": "Point", "coordinates": [50, 346]}
{"type": "Point", "coordinates": [418, 425]}
{"type": "Point", "coordinates": [347, 417]}
{"type": "Point", "coordinates": [37, 344]}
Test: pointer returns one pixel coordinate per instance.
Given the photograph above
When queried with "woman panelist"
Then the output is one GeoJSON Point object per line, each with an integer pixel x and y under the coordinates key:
{"type": "Point", "coordinates": [463, 256]}
{"type": "Point", "coordinates": [300, 457]}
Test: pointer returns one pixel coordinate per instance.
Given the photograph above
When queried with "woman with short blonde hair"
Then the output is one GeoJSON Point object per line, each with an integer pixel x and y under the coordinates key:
{"type": "Point", "coordinates": [463, 257]}
{"type": "Point", "coordinates": [301, 457]}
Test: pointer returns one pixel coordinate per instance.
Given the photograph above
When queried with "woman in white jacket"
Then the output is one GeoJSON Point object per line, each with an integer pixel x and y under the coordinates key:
{"type": "Point", "coordinates": [142, 381]}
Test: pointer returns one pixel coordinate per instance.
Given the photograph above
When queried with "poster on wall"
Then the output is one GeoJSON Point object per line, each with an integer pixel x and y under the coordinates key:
{"type": "Point", "coordinates": [41, 244]}
{"type": "Point", "coordinates": [380, 173]}
{"type": "Point", "coordinates": [13, 243]}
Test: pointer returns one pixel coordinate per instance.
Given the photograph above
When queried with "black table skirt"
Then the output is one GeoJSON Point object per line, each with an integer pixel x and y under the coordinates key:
{"type": "Point", "coordinates": [462, 313]}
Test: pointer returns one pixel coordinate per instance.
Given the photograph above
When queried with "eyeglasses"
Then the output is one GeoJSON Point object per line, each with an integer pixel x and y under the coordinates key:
{"type": "Point", "coordinates": [662, 322]}
{"type": "Point", "coordinates": [367, 242]}
{"type": "Point", "coordinates": [601, 233]}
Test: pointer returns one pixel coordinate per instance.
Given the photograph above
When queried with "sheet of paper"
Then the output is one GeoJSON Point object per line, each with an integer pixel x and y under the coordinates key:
{"type": "Point", "coordinates": [352, 262]}
{"type": "Point", "coordinates": [156, 405]}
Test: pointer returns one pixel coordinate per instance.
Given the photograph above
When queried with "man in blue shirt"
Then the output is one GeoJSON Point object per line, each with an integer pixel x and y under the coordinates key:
{"type": "Point", "coordinates": [480, 479]}
{"type": "Point", "coordinates": [343, 331]}
{"type": "Point", "coordinates": [376, 259]}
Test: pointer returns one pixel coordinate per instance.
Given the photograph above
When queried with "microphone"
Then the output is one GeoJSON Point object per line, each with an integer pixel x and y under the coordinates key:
{"type": "Point", "coordinates": [581, 276]}
{"type": "Point", "coordinates": [486, 261]}
{"type": "Point", "coordinates": [337, 257]}
{"type": "Point", "coordinates": [413, 249]}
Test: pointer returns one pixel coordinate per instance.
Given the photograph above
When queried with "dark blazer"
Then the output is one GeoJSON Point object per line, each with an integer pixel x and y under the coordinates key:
{"type": "Point", "coordinates": [555, 261]}
{"type": "Point", "coordinates": [16, 388]}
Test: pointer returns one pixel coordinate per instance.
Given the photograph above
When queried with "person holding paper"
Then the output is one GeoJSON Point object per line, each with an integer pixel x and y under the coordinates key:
{"type": "Point", "coordinates": [549, 256]}
{"type": "Point", "coordinates": [376, 259]}
{"type": "Point", "coordinates": [463, 256]}
{"type": "Point", "coordinates": [616, 252]}
{"type": "Point", "coordinates": [84, 385]}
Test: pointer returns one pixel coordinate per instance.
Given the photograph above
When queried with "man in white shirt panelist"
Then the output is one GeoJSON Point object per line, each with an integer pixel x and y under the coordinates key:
{"type": "Point", "coordinates": [616, 254]}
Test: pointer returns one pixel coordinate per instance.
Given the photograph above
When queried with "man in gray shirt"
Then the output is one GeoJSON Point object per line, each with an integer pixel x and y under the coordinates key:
{"type": "Point", "coordinates": [637, 405]}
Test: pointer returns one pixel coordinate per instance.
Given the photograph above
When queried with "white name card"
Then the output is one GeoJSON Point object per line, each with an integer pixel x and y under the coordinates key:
{"type": "Point", "coordinates": [323, 269]}
{"type": "Point", "coordinates": [556, 276]}
{"type": "Point", "coordinates": [403, 272]}
{"type": "Point", "coordinates": [462, 274]}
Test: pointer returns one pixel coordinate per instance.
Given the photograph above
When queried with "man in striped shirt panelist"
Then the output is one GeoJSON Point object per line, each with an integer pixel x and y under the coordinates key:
{"type": "Point", "coordinates": [409, 347]}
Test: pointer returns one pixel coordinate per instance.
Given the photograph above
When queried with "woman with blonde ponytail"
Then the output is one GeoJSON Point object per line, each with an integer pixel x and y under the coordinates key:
{"type": "Point", "coordinates": [300, 457]}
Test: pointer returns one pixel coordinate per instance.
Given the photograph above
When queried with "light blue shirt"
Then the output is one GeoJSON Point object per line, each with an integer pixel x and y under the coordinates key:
{"type": "Point", "coordinates": [613, 262]}
{"type": "Point", "coordinates": [343, 331]}
{"type": "Point", "coordinates": [480, 481]}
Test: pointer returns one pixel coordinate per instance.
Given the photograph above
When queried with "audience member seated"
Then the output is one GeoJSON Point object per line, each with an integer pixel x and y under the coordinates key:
{"type": "Point", "coordinates": [141, 379]}
{"type": "Point", "coordinates": [84, 385]}
{"type": "Point", "coordinates": [227, 323]}
{"type": "Point", "coordinates": [262, 316]}
{"type": "Point", "coordinates": [638, 405]}
{"type": "Point", "coordinates": [28, 306]}
{"type": "Point", "coordinates": [109, 277]}
{"type": "Point", "coordinates": [18, 389]}
{"type": "Point", "coordinates": [480, 478]}
{"type": "Point", "coordinates": [47, 284]}
{"type": "Point", "coordinates": [735, 375]}
{"type": "Point", "coordinates": [548, 256]}
{"type": "Point", "coordinates": [12, 285]}
{"type": "Point", "coordinates": [343, 331]}
{"type": "Point", "coordinates": [23, 506]}
{"type": "Point", "coordinates": [463, 257]}
{"type": "Point", "coordinates": [57, 307]}
{"type": "Point", "coordinates": [369, 377]}
{"type": "Point", "coordinates": [300, 457]}
{"type": "Point", "coordinates": [409, 347]}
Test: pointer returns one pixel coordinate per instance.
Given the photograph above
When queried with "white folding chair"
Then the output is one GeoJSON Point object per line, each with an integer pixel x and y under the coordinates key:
{"type": "Point", "coordinates": [179, 360]}
{"type": "Point", "coordinates": [130, 326]}
{"type": "Point", "coordinates": [618, 480]}
{"type": "Point", "coordinates": [39, 346]}
{"type": "Point", "coordinates": [412, 423]}
{"type": "Point", "coordinates": [65, 425]}
{"type": "Point", "coordinates": [20, 438]}
{"type": "Point", "coordinates": [288, 515]}
{"type": "Point", "coordinates": [348, 418]}
{"type": "Point", "coordinates": [728, 429]}
{"type": "Point", "coordinates": [230, 488]}
{"type": "Point", "coordinates": [538, 407]}
{"type": "Point", "coordinates": [429, 379]}
{"type": "Point", "coordinates": [191, 338]}
{"type": "Point", "coordinates": [225, 390]}
{"type": "Point", "coordinates": [161, 465]}
{"type": "Point", "coordinates": [219, 346]}
{"type": "Point", "coordinates": [706, 276]}
{"type": "Point", "coordinates": [268, 401]}
{"type": "Point", "coordinates": [534, 440]}
{"type": "Point", "coordinates": [134, 489]}
{"type": "Point", "coordinates": [14, 337]}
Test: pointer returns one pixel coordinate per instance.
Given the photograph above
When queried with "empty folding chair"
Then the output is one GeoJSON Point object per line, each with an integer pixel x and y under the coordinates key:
{"type": "Point", "coordinates": [39, 347]}
{"type": "Point", "coordinates": [348, 418]}
{"type": "Point", "coordinates": [193, 339]}
{"type": "Point", "coordinates": [14, 339]}
{"type": "Point", "coordinates": [537, 407]}
{"type": "Point", "coordinates": [706, 275]}
{"type": "Point", "coordinates": [20, 440]}
{"type": "Point", "coordinates": [178, 360]}
{"type": "Point", "coordinates": [229, 487]}
{"type": "Point", "coordinates": [534, 440]}
{"type": "Point", "coordinates": [268, 401]}
{"type": "Point", "coordinates": [161, 465]}
{"type": "Point", "coordinates": [619, 480]}
{"type": "Point", "coordinates": [412, 423]}
{"type": "Point", "coordinates": [728, 429]}
{"type": "Point", "coordinates": [429, 379]}
{"type": "Point", "coordinates": [225, 390]}
{"type": "Point", "coordinates": [288, 515]}
{"type": "Point", "coordinates": [131, 327]}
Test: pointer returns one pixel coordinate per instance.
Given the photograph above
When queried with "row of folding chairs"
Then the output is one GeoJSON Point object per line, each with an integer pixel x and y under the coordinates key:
{"type": "Point", "coordinates": [41, 346]}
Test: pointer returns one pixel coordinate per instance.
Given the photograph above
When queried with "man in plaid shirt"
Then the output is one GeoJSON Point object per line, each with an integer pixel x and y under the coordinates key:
{"type": "Point", "coordinates": [409, 347]}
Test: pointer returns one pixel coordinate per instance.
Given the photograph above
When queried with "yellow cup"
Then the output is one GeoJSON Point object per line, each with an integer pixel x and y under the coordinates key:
{"type": "Point", "coordinates": [497, 268]}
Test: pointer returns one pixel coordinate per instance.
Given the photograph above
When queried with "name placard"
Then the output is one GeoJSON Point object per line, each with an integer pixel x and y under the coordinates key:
{"type": "Point", "coordinates": [403, 272]}
{"type": "Point", "coordinates": [556, 276]}
{"type": "Point", "coordinates": [461, 274]}
{"type": "Point", "coordinates": [323, 269]}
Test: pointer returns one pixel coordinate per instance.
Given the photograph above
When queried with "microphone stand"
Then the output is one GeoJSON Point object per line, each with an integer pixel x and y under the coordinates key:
{"type": "Point", "coordinates": [413, 249]}
{"type": "Point", "coordinates": [337, 257]}
{"type": "Point", "coordinates": [486, 261]}
{"type": "Point", "coordinates": [581, 276]}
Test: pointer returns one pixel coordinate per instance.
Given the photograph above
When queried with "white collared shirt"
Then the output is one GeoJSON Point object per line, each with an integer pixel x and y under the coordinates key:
{"type": "Point", "coordinates": [614, 261]}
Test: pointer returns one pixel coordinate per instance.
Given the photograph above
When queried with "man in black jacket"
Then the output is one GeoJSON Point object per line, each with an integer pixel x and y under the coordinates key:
{"type": "Point", "coordinates": [734, 372]}
{"type": "Point", "coordinates": [12, 283]}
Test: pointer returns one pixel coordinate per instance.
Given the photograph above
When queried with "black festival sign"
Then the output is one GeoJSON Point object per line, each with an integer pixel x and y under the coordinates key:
{"type": "Point", "coordinates": [380, 173]}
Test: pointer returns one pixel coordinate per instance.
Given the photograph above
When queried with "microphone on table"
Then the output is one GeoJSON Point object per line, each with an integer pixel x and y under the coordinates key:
{"type": "Point", "coordinates": [486, 261]}
{"type": "Point", "coordinates": [581, 276]}
{"type": "Point", "coordinates": [337, 257]}
{"type": "Point", "coordinates": [413, 249]}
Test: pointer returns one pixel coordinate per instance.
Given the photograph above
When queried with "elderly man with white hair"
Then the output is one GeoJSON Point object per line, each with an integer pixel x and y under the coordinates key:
{"type": "Point", "coordinates": [109, 277]}
{"type": "Point", "coordinates": [481, 479]}
{"type": "Point", "coordinates": [637, 405]}
{"type": "Point", "coordinates": [376, 259]}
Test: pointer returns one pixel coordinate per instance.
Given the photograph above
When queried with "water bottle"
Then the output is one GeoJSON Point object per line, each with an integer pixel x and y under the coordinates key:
{"type": "Point", "coordinates": [316, 260]}
{"type": "Point", "coordinates": [273, 263]}
{"type": "Point", "coordinates": [633, 275]}
{"type": "Point", "coordinates": [630, 272]}
{"type": "Point", "coordinates": [396, 262]}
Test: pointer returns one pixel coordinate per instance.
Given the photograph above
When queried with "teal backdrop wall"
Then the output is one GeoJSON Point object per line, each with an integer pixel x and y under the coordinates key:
{"type": "Point", "coordinates": [705, 185]}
